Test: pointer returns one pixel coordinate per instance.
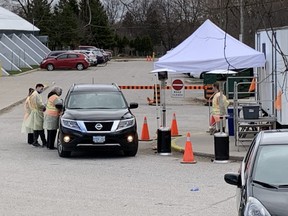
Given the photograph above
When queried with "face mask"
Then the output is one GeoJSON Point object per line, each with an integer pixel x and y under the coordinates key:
{"type": "Point", "coordinates": [40, 91]}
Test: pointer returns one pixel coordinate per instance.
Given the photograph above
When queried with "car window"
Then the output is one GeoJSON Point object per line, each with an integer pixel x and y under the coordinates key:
{"type": "Point", "coordinates": [64, 56]}
{"type": "Point", "coordinates": [249, 154]}
{"type": "Point", "coordinates": [271, 165]}
{"type": "Point", "coordinates": [97, 52]}
{"type": "Point", "coordinates": [72, 56]}
{"type": "Point", "coordinates": [247, 165]}
{"type": "Point", "coordinates": [55, 54]}
{"type": "Point", "coordinates": [96, 100]}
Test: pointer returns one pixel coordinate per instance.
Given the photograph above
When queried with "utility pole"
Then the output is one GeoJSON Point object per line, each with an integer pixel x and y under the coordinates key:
{"type": "Point", "coordinates": [33, 25]}
{"type": "Point", "coordinates": [241, 36]}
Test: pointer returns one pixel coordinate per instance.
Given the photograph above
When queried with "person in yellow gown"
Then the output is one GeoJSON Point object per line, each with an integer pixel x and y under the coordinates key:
{"type": "Point", "coordinates": [36, 117]}
{"type": "Point", "coordinates": [27, 112]}
{"type": "Point", "coordinates": [217, 109]}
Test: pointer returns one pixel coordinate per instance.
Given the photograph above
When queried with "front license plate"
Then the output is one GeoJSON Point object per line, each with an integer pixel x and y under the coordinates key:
{"type": "Point", "coordinates": [98, 139]}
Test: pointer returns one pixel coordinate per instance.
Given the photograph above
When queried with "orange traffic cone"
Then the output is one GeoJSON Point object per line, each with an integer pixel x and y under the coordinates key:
{"type": "Point", "coordinates": [156, 96]}
{"type": "Point", "coordinates": [174, 127]}
{"type": "Point", "coordinates": [188, 156]}
{"type": "Point", "coordinates": [150, 101]}
{"type": "Point", "coordinates": [252, 85]}
{"type": "Point", "coordinates": [278, 101]}
{"type": "Point", "coordinates": [145, 131]}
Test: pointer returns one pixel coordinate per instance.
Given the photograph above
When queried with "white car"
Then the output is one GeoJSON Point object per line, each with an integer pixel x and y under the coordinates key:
{"type": "Point", "coordinates": [91, 56]}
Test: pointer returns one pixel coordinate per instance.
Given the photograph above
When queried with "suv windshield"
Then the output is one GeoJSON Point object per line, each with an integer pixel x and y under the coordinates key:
{"type": "Point", "coordinates": [96, 100]}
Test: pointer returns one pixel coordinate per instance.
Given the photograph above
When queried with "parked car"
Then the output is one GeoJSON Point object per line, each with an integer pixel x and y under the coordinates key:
{"type": "Point", "coordinates": [109, 53]}
{"type": "Point", "coordinates": [97, 116]}
{"type": "Point", "coordinates": [85, 47]}
{"type": "Point", "coordinates": [90, 55]}
{"type": "Point", "coordinates": [66, 61]}
{"type": "Point", "coordinates": [262, 181]}
{"type": "Point", "coordinates": [100, 57]}
{"type": "Point", "coordinates": [53, 54]}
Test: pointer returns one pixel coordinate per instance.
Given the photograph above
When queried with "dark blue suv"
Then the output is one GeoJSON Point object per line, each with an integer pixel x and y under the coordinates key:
{"type": "Point", "coordinates": [96, 116]}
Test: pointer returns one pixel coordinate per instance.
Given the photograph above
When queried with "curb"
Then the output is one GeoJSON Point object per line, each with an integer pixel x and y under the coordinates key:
{"type": "Point", "coordinates": [22, 100]}
{"type": "Point", "coordinates": [176, 147]}
{"type": "Point", "coordinates": [16, 104]}
{"type": "Point", "coordinates": [128, 59]}
{"type": "Point", "coordinates": [27, 72]}
{"type": "Point", "coordinates": [180, 149]}
{"type": "Point", "coordinates": [11, 106]}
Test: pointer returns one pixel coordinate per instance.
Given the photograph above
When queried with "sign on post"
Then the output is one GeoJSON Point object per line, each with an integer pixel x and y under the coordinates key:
{"type": "Point", "coordinates": [177, 88]}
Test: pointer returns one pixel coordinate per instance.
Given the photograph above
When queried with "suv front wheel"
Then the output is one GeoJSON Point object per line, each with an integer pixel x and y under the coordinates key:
{"type": "Point", "coordinates": [131, 152]}
{"type": "Point", "coordinates": [61, 151]}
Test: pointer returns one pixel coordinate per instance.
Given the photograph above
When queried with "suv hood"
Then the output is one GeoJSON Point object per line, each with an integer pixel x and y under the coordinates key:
{"type": "Point", "coordinates": [94, 115]}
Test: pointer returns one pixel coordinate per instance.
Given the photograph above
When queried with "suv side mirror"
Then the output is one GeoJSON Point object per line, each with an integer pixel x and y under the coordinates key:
{"type": "Point", "coordinates": [60, 105]}
{"type": "Point", "coordinates": [133, 105]}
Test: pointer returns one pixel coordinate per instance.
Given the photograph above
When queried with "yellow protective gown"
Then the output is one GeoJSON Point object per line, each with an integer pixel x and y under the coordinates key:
{"type": "Point", "coordinates": [36, 117]}
{"type": "Point", "coordinates": [216, 107]}
{"type": "Point", "coordinates": [27, 112]}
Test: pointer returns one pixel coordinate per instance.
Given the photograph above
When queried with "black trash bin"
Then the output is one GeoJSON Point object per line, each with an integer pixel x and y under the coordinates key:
{"type": "Point", "coordinates": [164, 141]}
{"type": "Point", "coordinates": [221, 147]}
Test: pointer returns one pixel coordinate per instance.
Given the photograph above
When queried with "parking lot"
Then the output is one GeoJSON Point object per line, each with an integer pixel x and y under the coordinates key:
{"type": "Point", "coordinates": [36, 181]}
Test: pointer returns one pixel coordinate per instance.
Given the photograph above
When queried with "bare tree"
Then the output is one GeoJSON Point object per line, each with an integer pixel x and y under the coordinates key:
{"type": "Point", "coordinates": [5, 4]}
{"type": "Point", "coordinates": [115, 10]}
{"type": "Point", "coordinates": [169, 20]}
{"type": "Point", "coordinates": [26, 6]}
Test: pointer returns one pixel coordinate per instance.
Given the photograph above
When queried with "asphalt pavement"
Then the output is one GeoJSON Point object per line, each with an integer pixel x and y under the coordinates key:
{"type": "Point", "coordinates": [14, 88]}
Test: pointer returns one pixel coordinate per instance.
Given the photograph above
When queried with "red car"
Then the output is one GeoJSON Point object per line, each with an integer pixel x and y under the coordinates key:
{"type": "Point", "coordinates": [66, 61]}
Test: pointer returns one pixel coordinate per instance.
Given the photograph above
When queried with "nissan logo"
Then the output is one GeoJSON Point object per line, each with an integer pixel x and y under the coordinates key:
{"type": "Point", "coordinates": [98, 126]}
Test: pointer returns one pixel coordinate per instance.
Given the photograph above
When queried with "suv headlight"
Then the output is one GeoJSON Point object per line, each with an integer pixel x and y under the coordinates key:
{"type": "Point", "coordinates": [70, 124]}
{"type": "Point", "coordinates": [126, 123]}
{"type": "Point", "coordinates": [254, 207]}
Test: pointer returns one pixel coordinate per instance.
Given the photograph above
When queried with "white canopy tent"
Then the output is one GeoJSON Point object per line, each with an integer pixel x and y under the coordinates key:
{"type": "Point", "coordinates": [210, 48]}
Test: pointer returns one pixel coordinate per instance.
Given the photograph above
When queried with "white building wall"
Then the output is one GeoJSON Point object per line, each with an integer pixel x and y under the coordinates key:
{"type": "Point", "coordinates": [27, 48]}
{"type": "Point", "coordinates": [13, 57]}
{"type": "Point", "coordinates": [33, 46]}
{"type": "Point", "coordinates": [18, 50]}
{"type": "Point", "coordinates": [39, 43]}
{"type": "Point", "coordinates": [7, 64]}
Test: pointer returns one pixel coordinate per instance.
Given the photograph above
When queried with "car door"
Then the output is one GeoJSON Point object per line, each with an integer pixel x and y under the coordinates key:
{"type": "Point", "coordinates": [73, 60]}
{"type": "Point", "coordinates": [62, 61]}
{"type": "Point", "coordinates": [245, 170]}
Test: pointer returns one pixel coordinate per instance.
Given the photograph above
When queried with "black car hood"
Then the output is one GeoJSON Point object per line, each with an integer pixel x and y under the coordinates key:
{"type": "Point", "coordinates": [274, 200]}
{"type": "Point", "coordinates": [95, 115]}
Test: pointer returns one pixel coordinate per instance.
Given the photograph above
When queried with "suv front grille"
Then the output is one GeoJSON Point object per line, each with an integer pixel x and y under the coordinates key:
{"type": "Point", "coordinates": [96, 126]}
